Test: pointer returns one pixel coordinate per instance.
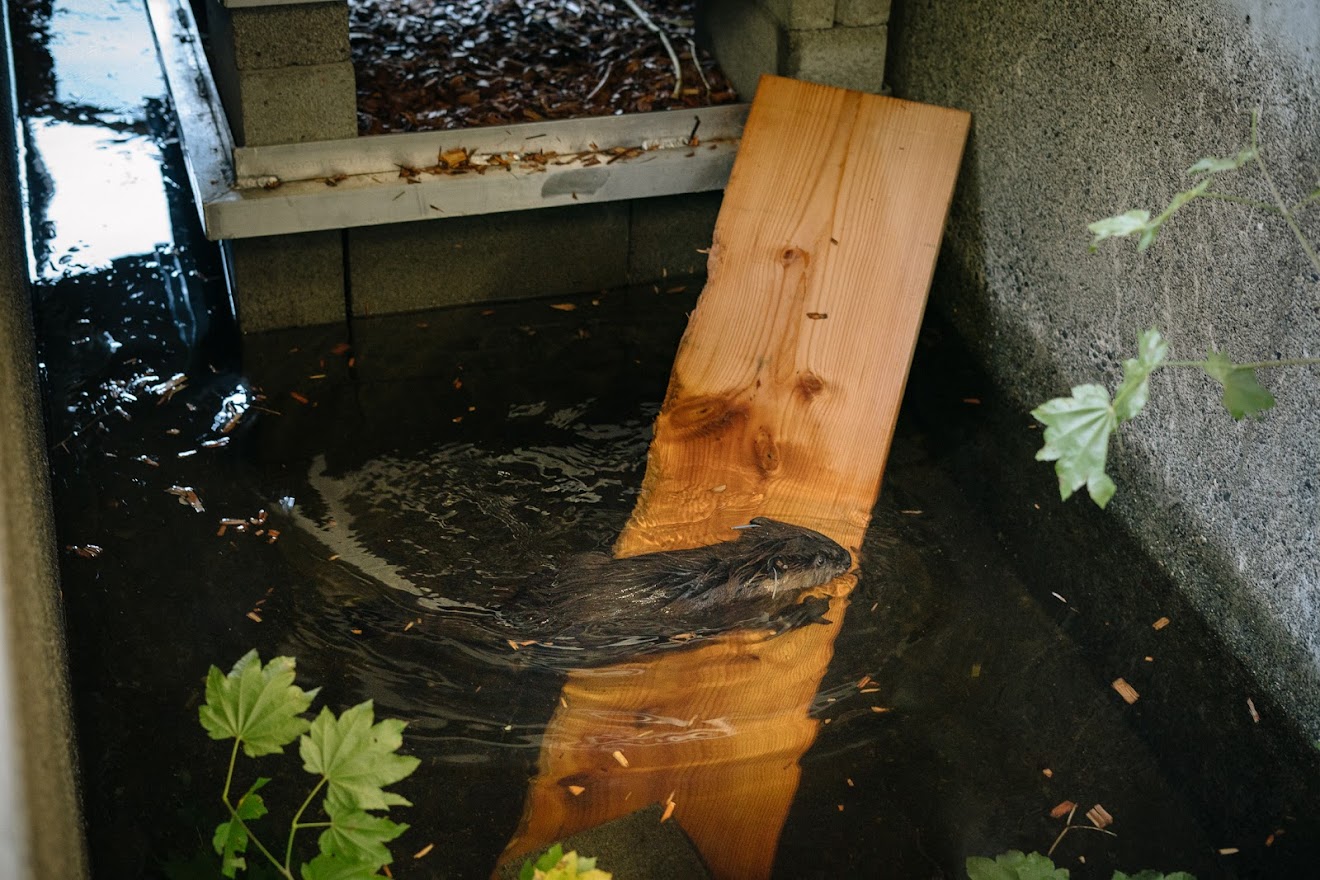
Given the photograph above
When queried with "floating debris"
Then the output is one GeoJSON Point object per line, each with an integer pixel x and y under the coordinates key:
{"type": "Point", "coordinates": [1126, 691]}
{"type": "Point", "coordinates": [85, 551]}
{"type": "Point", "coordinates": [188, 497]}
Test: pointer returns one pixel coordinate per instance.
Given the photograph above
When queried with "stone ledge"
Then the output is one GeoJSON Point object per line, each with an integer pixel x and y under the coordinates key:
{"type": "Point", "coordinates": [287, 280]}
{"type": "Point", "coordinates": [289, 104]}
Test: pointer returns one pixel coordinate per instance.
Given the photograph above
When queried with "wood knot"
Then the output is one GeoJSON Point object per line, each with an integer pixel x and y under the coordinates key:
{"type": "Point", "coordinates": [767, 452]}
{"type": "Point", "coordinates": [809, 385]}
{"type": "Point", "coordinates": [791, 255]}
{"type": "Point", "coordinates": [701, 416]}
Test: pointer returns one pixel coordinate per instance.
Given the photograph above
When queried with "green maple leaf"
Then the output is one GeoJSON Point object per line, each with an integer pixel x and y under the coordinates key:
{"type": "Point", "coordinates": [1077, 431]}
{"type": "Point", "coordinates": [1014, 865]}
{"type": "Point", "coordinates": [259, 706]}
{"type": "Point", "coordinates": [357, 758]}
{"type": "Point", "coordinates": [327, 867]}
{"type": "Point", "coordinates": [231, 838]}
{"type": "Point", "coordinates": [1243, 395]}
{"type": "Point", "coordinates": [1134, 390]}
{"type": "Point", "coordinates": [355, 835]}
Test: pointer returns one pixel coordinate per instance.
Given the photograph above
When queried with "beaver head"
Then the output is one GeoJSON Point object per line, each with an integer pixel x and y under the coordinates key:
{"type": "Point", "coordinates": [772, 562]}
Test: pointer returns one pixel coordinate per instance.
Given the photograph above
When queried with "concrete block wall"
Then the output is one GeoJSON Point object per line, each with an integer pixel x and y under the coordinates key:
{"type": "Point", "coordinates": [1083, 110]}
{"type": "Point", "coordinates": [284, 72]}
{"type": "Point", "coordinates": [835, 42]}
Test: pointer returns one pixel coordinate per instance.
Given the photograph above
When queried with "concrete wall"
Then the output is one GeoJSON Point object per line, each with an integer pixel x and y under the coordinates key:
{"type": "Point", "coordinates": [1081, 110]}
{"type": "Point", "coordinates": [40, 819]}
{"type": "Point", "coordinates": [836, 42]}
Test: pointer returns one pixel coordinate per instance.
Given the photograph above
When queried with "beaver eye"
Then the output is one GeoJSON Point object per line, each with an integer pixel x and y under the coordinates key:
{"type": "Point", "coordinates": [819, 560]}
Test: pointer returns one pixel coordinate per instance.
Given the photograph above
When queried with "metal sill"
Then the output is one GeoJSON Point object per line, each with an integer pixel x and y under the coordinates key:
{"type": "Point", "coordinates": [287, 188]}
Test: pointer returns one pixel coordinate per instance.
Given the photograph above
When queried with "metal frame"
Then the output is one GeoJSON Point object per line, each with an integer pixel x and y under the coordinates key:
{"type": "Point", "coordinates": [286, 188]}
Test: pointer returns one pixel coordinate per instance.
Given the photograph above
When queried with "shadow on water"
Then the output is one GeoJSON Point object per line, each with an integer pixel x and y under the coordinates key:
{"type": "Point", "coordinates": [354, 502]}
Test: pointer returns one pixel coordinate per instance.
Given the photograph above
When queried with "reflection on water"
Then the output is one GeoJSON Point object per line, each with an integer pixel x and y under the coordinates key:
{"type": "Point", "coordinates": [105, 196]}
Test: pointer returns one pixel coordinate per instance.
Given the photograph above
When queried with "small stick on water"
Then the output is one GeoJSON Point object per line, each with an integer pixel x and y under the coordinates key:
{"type": "Point", "coordinates": [609, 68]}
{"type": "Point", "coordinates": [1069, 826]}
{"type": "Point", "coordinates": [664, 38]}
{"type": "Point", "coordinates": [692, 47]}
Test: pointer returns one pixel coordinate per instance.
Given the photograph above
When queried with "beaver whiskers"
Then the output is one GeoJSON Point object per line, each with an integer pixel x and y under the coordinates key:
{"type": "Point", "coordinates": [756, 579]}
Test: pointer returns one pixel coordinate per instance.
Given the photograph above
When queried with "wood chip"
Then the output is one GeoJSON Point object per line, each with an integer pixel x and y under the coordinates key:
{"type": "Point", "coordinates": [424, 851]}
{"type": "Point", "coordinates": [563, 307]}
{"type": "Point", "coordinates": [1251, 708]}
{"type": "Point", "coordinates": [1099, 817]}
{"type": "Point", "coordinates": [301, 398]}
{"type": "Point", "coordinates": [879, 709]}
{"type": "Point", "coordinates": [1125, 690]}
{"type": "Point", "coordinates": [1047, 773]}
{"type": "Point", "coordinates": [254, 616]}
{"type": "Point", "coordinates": [1228, 851]}
{"type": "Point", "coordinates": [619, 756]}
{"type": "Point", "coordinates": [575, 790]}
{"type": "Point", "coordinates": [1160, 624]}
{"type": "Point", "coordinates": [669, 807]}
{"type": "Point", "coordinates": [1061, 809]}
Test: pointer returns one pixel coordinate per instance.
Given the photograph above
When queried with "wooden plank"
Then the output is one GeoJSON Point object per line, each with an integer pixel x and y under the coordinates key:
{"type": "Point", "coordinates": [782, 402]}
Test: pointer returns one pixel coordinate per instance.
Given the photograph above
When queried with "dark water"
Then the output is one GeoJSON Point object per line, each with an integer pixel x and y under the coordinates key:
{"type": "Point", "coordinates": [438, 456]}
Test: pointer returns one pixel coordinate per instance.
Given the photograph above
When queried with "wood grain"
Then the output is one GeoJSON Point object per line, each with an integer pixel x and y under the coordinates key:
{"type": "Point", "coordinates": [782, 402]}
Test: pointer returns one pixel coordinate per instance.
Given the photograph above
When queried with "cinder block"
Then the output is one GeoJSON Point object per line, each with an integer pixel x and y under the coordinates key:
{"type": "Point", "coordinates": [290, 104]}
{"type": "Point", "coordinates": [404, 267]}
{"type": "Point", "coordinates": [801, 14]}
{"type": "Point", "coordinates": [668, 234]}
{"type": "Point", "coordinates": [848, 57]}
{"type": "Point", "coordinates": [282, 281]}
{"type": "Point", "coordinates": [264, 37]}
{"type": "Point", "coordinates": [861, 13]}
{"type": "Point", "coordinates": [745, 37]}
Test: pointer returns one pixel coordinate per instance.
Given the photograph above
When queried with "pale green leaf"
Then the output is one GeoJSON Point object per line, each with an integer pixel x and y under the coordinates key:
{"type": "Point", "coordinates": [1243, 395]}
{"type": "Point", "coordinates": [1014, 865]}
{"type": "Point", "coordinates": [555, 864]}
{"type": "Point", "coordinates": [259, 706]}
{"type": "Point", "coordinates": [357, 757]}
{"type": "Point", "coordinates": [1077, 431]}
{"type": "Point", "coordinates": [1134, 390]}
{"type": "Point", "coordinates": [1118, 226]}
{"type": "Point", "coordinates": [231, 838]}
{"type": "Point", "coordinates": [1211, 165]}
{"type": "Point", "coordinates": [357, 836]}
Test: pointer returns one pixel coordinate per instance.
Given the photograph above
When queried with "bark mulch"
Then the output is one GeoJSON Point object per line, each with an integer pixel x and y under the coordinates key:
{"type": "Point", "coordinates": [423, 66]}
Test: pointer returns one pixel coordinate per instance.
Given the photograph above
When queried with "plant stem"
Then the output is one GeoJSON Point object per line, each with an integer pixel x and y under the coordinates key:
{"type": "Point", "coordinates": [1278, 200]}
{"type": "Point", "coordinates": [1256, 365]}
{"type": "Point", "coordinates": [294, 826]}
{"type": "Point", "coordinates": [1238, 200]}
{"type": "Point", "coordinates": [234, 817]}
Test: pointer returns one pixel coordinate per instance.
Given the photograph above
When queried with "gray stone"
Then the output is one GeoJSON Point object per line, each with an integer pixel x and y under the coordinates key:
{"type": "Point", "coordinates": [859, 13]}
{"type": "Point", "coordinates": [1097, 109]}
{"type": "Point", "coordinates": [290, 104]}
{"type": "Point", "coordinates": [637, 847]}
{"type": "Point", "coordinates": [41, 831]}
{"type": "Point", "coordinates": [285, 281]}
{"type": "Point", "coordinates": [409, 266]}
{"type": "Point", "coordinates": [847, 57]}
{"type": "Point", "coordinates": [746, 40]}
{"type": "Point", "coordinates": [265, 37]}
{"type": "Point", "coordinates": [668, 235]}
{"type": "Point", "coordinates": [799, 14]}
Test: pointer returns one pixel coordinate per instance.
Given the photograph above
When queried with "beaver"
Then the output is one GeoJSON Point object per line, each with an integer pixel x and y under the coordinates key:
{"type": "Point", "coordinates": [595, 600]}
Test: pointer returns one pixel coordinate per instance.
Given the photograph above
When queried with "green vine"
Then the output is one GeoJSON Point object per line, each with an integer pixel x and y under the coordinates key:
{"type": "Point", "coordinates": [1078, 428]}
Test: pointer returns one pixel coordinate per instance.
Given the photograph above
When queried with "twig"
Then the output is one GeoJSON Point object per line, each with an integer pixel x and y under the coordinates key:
{"type": "Point", "coordinates": [664, 38]}
{"type": "Point", "coordinates": [1278, 200]}
{"type": "Point", "coordinates": [609, 68]}
{"type": "Point", "coordinates": [1069, 826]}
{"type": "Point", "coordinates": [692, 47]}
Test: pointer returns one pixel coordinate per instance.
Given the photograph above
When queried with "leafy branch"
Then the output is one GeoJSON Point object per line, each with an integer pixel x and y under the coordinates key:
{"type": "Point", "coordinates": [1015, 865]}
{"type": "Point", "coordinates": [261, 710]}
{"type": "Point", "coordinates": [1078, 428]}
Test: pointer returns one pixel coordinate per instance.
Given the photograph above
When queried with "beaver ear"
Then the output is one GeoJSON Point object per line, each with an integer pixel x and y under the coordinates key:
{"type": "Point", "coordinates": [761, 521]}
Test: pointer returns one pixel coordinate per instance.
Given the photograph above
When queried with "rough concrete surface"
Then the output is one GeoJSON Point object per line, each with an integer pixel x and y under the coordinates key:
{"type": "Point", "coordinates": [1083, 110]}
{"type": "Point", "coordinates": [858, 13]}
{"type": "Point", "coordinates": [288, 280]}
{"type": "Point", "coordinates": [265, 37]}
{"type": "Point", "coordinates": [669, 234]}
{"type": "Point", "coordinates": [404, 267]}
{"type": "Point", "coordinates": [40, 817]}
{"type": "Point", "coordinates": [847, 57]}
